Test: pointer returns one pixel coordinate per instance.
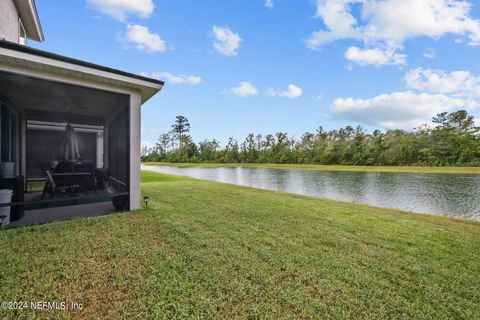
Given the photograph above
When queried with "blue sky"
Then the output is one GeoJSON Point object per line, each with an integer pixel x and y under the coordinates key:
{"type": "Point", "coordinates": [234, 67]}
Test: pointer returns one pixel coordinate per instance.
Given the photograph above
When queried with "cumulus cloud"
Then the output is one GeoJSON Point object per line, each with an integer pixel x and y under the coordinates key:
{"type": "Point", "coordinates": [404, 110]}
{"type": "Point", "coordinates": [430, 92]}
{"type": "Point", "coordinates": [386, 24]}
{"type": "Point", "coordinates": [461, 84]}
{"type": "Point", "coordinates": [226, 41]}
{"type": "Point", "coordinates": [292, 92]}
{"type": "Point", "coordinates": [244, 89]}
{"type": "Point", "coordinates": [375, 56]}
{"type": "Point", "coordinates": [121, 9]}
{"type": "Point", "coordinates": [144, 39]}
{"type": "Point", "coordinates": [175, 79]}
{"type": "Point", "coordinates": [269, 4]}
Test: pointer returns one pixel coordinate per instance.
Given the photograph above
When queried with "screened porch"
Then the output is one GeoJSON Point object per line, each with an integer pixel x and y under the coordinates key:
{"type": "Point", "coordinates": [64, 149]}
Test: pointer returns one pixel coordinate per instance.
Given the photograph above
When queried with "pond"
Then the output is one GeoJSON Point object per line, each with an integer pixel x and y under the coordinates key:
{"type": "Point", "coordinates": [454, 195]}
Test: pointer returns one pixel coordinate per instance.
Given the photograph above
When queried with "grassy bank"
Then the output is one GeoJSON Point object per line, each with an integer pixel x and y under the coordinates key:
{"type": "Point", "coordinates": [464, 170]}
{"type": "Point", "coordinates": [209, 250]}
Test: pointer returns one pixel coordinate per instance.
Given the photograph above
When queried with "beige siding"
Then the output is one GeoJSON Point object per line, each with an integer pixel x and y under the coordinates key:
{"type": "Point", "coordinates": [8, 21]}
{"type": "Point", "coordinates": [135, 129]}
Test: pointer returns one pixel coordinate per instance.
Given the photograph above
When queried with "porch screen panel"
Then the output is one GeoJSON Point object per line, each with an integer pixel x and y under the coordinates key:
{"type": "Point", "coordinates": [43, 147]}
{"type": "Point", "coordinates": [118, 155]}
{"type": "Point", "coordinates": [7, 133]}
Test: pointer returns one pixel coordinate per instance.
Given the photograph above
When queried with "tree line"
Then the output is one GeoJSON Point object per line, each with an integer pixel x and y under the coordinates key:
{"type": "Point", "coordinates": [452, 140]}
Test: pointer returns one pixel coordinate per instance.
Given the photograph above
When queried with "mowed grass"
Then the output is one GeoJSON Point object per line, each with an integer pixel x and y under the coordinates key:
{"type": "Point", "coordinates": [209, 250]}
{"type": "Point", "coordinates": [417, 169]}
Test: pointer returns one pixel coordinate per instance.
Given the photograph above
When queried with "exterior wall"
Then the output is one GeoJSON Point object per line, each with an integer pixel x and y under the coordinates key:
{"type": "Point", "coordinates": [135, 129]}
{"type": "Point", "coordinates": [9, 21]}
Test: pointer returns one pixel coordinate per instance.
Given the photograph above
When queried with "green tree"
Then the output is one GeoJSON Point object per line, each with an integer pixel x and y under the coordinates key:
{"type": "Point", "coordinates": [180, 128]}
{"type": "Point", "coordinates": [164, 142]}
{"type": "Point", "coordinates": [231, 152]}
{"type": "Point", "coordinates": [454, 139]}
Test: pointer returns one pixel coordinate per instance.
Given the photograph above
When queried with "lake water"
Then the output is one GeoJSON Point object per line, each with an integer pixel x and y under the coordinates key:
{"type": "Point", "coordinates": [455, 195]}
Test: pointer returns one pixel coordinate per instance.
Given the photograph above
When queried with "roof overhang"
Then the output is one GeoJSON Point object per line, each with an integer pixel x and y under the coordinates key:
{"type": "Point", "coordinates": [15, 56]}
{"type": "Point", "coordinates": [27, 11]}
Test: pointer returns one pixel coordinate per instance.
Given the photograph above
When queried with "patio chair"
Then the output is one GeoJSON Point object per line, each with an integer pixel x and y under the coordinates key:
{"type": "Point", "coordinates": [54, 187]}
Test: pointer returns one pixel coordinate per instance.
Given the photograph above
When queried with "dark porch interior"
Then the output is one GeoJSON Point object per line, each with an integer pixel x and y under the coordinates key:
{"type": "Point", "coordinates": [50, 183]}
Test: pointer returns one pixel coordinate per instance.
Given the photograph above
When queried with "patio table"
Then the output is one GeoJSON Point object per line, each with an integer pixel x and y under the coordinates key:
{"type": "Point", "coordinates": [78, 174]}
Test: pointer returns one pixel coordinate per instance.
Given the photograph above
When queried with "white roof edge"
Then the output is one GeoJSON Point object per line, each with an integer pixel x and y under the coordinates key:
{"type": "Point", "coordinates": [36, 18]}
{"type": "Point", "coordinates": [143, 85]}
{"type": "Point", "coordinates": [27, 11]}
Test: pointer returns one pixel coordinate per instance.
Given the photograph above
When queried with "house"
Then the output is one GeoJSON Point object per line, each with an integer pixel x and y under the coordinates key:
{"type": "Point", "coordinates": [44, 96]}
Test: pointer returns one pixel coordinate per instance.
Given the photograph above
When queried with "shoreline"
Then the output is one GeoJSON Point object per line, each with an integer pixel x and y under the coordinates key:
{"type": "Point", "coordinates": [315, 167]}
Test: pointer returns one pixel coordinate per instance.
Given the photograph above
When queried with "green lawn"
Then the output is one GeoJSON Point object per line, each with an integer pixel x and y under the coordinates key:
{"type": "Point", "coordinates": [465, 170]}
{"type": "Point", "coordinates": [209, 250]}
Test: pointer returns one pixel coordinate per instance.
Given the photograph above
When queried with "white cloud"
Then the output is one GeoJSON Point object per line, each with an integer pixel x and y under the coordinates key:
{"type": "Point", "coordinates": [292, 92]}
{"type": "Point", "coordinates": [244, 89]}
{"type": "Point", "coordinates": [431, 92]}
{"type": "Point", "coordinates": [404, 110]}
{"type": "Point", "coordinates": [147, 144]}
{"type": "Point", "coordinates": [477, 121]}
{"type": "Point", "coordinates": [175, 79]}
{"type": "Point", "coordinates": [269, 4]}
{"type": "Point", "coordinates": [339, 21]}
{"type": "Point", "coordinates": [144, 40]}
{"type": "Point", "coordinates": [430, 53]}
{"type": "Point", "coordinates": [226, 41]}
{"type": "Point", "coordinates": [460, 84]}
{"type": "Point", "coordinates": [121, 9]}
{"type": "Point", "coordinates": [147, 130]}
{"type": "Point", "coordinates": [375, 56]}
{"type": "Point", "coordinates": [386, 24]}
